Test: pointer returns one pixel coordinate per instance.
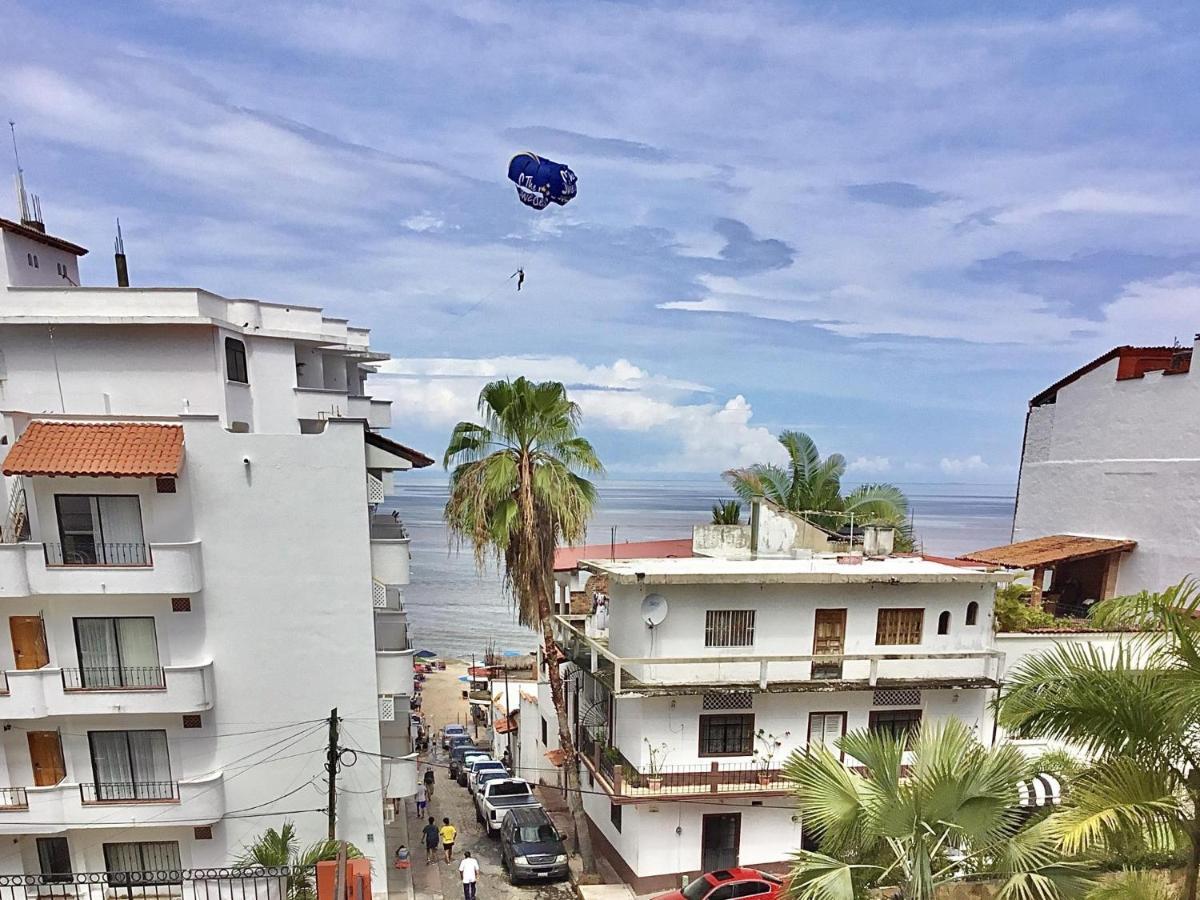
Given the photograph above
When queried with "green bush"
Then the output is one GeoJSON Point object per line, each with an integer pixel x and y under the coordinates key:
{"type": "Point", "coordinates": [1013, 612]}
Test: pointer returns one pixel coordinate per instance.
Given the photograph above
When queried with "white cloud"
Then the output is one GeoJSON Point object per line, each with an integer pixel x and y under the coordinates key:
{"type": "Point", "coordinates": [962, 465]}
{"type": "Point", "coordinates": [870, 465]}
{"type": "Point", "coordinates": [703, 436]}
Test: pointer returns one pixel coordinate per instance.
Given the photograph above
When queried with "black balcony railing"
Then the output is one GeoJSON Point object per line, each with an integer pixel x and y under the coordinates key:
{"type": "Point", "coordinates": [110, 678]}
{"type": "Point", "coordinates": [13, 798]}
{"type": "Point", "coordinates": [128, 791]}
{"type": "Point", "coordinates": [90, 553]}
{"type": "Point", "coordinates": [256, 883]}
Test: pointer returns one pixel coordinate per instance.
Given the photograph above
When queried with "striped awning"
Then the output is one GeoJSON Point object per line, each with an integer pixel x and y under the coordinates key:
{"type": "Point", "coordinates": [1041, 790]}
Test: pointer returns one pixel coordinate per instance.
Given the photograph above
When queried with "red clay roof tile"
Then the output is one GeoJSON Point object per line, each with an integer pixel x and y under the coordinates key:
{"type": "Point", "coordinates": [97, 449]}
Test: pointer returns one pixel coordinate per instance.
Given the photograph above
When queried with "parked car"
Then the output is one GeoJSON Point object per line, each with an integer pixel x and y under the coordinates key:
{"type": "Point", "coordinates": [500, 796]}
{"type": "Point", "coordinates": [479, 767]}
{"type": "Point", "coordinates": [486, 776]}
{"type": "Point", "coordinates": [468, 761]}
{"type": "Point", "coordinates": [458, 752]}
{"type": "Point", "coordinates": [724, 884]}
{"type": "Point", "coordinates": [531, 848]}
{"type": "Point", "coordinates": [450, 731]}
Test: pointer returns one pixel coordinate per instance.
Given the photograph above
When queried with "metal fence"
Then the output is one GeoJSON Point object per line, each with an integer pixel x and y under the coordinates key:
{"type": "Point", "coordinates": [90, 553]}
{"type": "Point", "coordinates": [107, 677]}
{"type": "Point", "coordinates": [127, 791]}
{"type": "Point", "coordinates": [13, 798]}
{"type": "Point", "coordinates": [259, 883]}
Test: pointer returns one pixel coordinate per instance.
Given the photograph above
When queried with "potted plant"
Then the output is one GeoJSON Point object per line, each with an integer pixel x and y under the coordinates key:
{"type": "Point", "coordinates": [658, 754]}
{"type": "Point", "coordinates": [764, 753]}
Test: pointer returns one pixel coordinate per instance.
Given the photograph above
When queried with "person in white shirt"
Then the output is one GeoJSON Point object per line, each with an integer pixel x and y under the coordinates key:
{"type": "Point", "coordinates": [469, 868]}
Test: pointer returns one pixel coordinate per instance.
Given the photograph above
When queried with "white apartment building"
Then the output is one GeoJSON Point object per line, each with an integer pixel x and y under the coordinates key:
{"type": "Point", "coordinates": [192, 573]}
{"type": "Point", "coordinates": [1109, 471]}
{"type": "Point", "coordinates": [699, 655]}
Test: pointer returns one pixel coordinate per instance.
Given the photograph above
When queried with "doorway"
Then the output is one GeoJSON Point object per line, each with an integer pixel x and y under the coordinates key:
{"type": "Point", "coordinates": [829, 637]}
{"type": "Point", "coordinates": [29, 641]}
{"type": "Point", "coordinates": [46, 755]}
{"type": "Point", "coordinates": [720, 841]}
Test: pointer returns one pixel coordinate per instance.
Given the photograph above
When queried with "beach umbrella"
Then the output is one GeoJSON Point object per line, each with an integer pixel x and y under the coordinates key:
{"type": "Point", "coordinates": [464, 678]}
{"type": "Point", "coordinates": [425, 654]}
{"type": "Point", "coordinates": [513, 653]}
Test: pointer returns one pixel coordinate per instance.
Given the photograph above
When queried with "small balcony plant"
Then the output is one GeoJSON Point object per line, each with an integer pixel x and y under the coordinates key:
{"type": "Point", "coordinates": [658, 754]}
{"type": "Point", "coordinates": [768, 745]}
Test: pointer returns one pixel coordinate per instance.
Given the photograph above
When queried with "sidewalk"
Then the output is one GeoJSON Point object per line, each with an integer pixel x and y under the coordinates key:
{"type": "Point", "coordinates": [399, 881]}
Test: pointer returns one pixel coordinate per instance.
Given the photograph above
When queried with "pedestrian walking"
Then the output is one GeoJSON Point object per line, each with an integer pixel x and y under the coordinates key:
{"type": "Point", "coordinates": [420, 801]}
{"type": "Point", "coordinates": [469, 869]}
{"type": "Point", "coordinates": [428, 782]}
{"type": "Point", "coordinates": [448, 833]}
{"type": "Point", "coordinates": [431, 836]}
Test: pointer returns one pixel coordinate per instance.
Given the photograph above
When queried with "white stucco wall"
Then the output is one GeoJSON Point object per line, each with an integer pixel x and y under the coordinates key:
{"type": "Point", "coordinates": [17, 249]}
{"type": "Point", "coordinates": [1119, 459]}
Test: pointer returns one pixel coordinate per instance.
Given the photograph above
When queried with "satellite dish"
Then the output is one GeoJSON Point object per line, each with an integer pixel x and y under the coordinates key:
{"type": "Point", "coordinates": [654, 609]}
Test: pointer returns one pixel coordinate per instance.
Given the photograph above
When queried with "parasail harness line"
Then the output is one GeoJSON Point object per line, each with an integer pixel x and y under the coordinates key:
{"type": "Point", "coordinates": [519, 275]}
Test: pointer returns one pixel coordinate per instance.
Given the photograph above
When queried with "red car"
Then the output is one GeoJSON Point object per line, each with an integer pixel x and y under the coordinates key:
{"type": "Point", "coordinates": [730, 884]}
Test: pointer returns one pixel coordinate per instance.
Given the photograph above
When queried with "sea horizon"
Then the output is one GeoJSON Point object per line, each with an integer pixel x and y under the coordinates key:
{"type": "Point", "coordinates": [456, 610]}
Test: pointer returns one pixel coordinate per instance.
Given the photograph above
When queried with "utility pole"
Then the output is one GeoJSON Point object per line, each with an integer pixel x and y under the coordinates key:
{"type": "Point", "coordinates": [331, 766]}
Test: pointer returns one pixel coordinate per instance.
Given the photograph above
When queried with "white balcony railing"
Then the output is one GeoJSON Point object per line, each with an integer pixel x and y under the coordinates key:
{"type": "Point", "coordinates": [852, 670]}
{"type": "Point", "coordinates": [27, 569]}
{"type": "Point", "coordinates": [195, 801]}
{"type": "Point", "coordinates": [390, 560]}
{"type": "Point", "coordinates": [52, 691]}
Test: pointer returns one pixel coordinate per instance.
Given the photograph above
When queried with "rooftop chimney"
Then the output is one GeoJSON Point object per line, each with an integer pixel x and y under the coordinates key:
{"type": "Point", "coordinates": [119, 256]}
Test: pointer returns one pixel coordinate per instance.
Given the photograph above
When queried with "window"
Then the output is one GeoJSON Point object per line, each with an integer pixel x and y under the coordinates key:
{"type": "Point", "coordinates": [826, 728]}
{"type": "Point", "coordinates": [726, 735]}
{"type": "Point", "coordinates": [972, 613]}
{"type": "Point", "coordinates": [130, 765]}
{"type": "Point", "coordinates": [729, 628]}
{"type": "Point", "coordinates": [944, 622]}
{"type": "Point", "coordinates": [193, 720]}
{"type": "Point", "coordinates": [35, 262]}
{"type": "Point", "coordinates": [29, 259]}
{"type": "Point", "coordinates": [896, 722]}
{"type": "Point", "coordinates": [98, 530]}
{"type": "Point", "coordinates": [751, 889]}
{"type": "Point", "coordinates": [115, 653]}
{"type": "Point", "coordinates": [235, 361]}
{"type": "Point", "coordinates": [545, 733]}
{"type": "Point", "coordinates": [614, 815]}
{"type": "Point", "coordinates": [181, 604]}
{"type": "Point", "coordinates": [899, 626]}
{"type": "Point", "coordinates": [164, 485]}
{"type": "Point", "coordinates": [154, 862]}
{"type": "Point", "coordinates": [54, 859]}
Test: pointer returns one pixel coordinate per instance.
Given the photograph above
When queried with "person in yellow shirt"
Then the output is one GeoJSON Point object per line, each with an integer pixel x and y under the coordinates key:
{"type": "Point", "coordinates": [448, 833]}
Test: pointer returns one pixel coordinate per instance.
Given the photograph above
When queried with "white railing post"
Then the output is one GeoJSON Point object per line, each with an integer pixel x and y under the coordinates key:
{"type": "Point", "coordinates": [617, 676]}
{"type": "Point", "coordinates": [762, 674]}
{"type": "Point", "coordinates": [595, 658]}
{"type": "Point", "coordinates": [873, 676]}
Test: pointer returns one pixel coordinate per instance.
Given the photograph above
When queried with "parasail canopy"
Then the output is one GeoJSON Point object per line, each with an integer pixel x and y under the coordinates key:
{"type": "Point", "coordinates": [541, 181]}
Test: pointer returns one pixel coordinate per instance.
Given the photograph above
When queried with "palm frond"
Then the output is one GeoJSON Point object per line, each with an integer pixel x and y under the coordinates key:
{"type": "Point", "coordinates": [1120, 798]}
{"type": "Point", "coordinates": [1134, 884]}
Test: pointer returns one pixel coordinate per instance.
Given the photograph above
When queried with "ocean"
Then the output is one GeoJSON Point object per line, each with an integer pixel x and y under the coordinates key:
{"type": "Point", "coordinates": [456, 610]}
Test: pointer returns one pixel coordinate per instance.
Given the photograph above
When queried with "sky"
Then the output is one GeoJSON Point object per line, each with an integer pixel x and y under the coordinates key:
{"type": "Point", "coordinates": [887, 225]}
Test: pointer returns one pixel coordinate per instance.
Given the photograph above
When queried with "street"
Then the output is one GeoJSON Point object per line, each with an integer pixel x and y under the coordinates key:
{"type": "Point", "coordinates": [439, 879]}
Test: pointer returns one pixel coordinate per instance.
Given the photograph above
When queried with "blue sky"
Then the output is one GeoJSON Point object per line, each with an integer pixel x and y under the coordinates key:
{"type": "Point", "coordinates": [888, 225]}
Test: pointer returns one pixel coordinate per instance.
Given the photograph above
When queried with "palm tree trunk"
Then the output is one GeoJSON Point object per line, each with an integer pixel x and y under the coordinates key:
{"type": "Point", "coordinates": [570, 765]}
{"type": "Point", "coordinates": [1193, 869]}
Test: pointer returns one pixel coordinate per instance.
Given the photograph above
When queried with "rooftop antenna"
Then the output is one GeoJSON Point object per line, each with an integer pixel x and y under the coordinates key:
{"type": "Point", "coordinates": [31, 207]}
{"type": "Point", "coordinates": [119, 256]}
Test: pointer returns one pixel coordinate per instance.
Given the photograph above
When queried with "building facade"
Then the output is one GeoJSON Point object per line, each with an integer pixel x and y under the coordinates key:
{"type": "Point", "coordinates": [193, 573]}
{"type": "Point", "coordinates": [1108, 473]}
{"type": "Point", "coordinates": [705, 664]}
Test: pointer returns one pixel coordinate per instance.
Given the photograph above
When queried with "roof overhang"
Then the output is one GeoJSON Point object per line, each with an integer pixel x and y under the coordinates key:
{"type": "Point", "coordinates": [1049, 551]}
{"type": "Point", "coordinates": [41, 237]}
{"type": "Point", "coordinates": [97, 450]}
{"type": "Point", "coordinates": [384, 453]}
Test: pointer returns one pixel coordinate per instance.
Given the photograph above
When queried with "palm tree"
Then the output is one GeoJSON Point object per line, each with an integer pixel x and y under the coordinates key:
{"type": "Point", "coordinates": [1134, 712]}
{"type": "Point", "coordinates": [811, 484]}
{"type": "Point", "coordinates": [515, 492]}
{"type": "Point", "coordinates": [281, 849]}
{"type": "Point", "coordinates": [952, 812]}
{"type": "Point", "coordinates": [728, 512]}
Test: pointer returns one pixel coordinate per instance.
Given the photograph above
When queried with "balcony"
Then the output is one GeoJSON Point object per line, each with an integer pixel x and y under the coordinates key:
{"type": "Point", "coordinates": [667, 675]}
{"type": "Point", "coordinates": [623, 781]}
{"type": "Point", "coordinates": [38, 693]}
{"type": "Point", "coordinates": [50, 810]}
{"type": "Point", "coordinates": [399, 777]}
{"type": "Point", "coordinates": [378, 413]}
{"type": "Point", "coordinates": [394, 671]}
{"type": "Point", "coordinates": [321, 403]}
{"type": "Point", "coordinates": [391, 630]}
{"type": "Point", "coordinates": [13, 798]}
{"type": "Point", "coordinates": [389, 551]}
{"type": "Point", "coordinates": [31, 568]}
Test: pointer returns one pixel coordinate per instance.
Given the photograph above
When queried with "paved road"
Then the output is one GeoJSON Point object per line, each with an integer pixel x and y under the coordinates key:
{"type": "Point", "coordinates": [440, 880]}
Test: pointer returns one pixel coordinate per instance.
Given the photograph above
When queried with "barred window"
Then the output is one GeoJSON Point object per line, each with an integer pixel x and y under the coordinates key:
{"type": "Point", "coordinates": [726, 735]}
{"type": "Point", "coordinates": [147, 862]}
{"type": "Point", "coordinates": [729, 628]}
{"type": "Point", "coordinates": [895, 722]}
{"type": "Point", "coordinates": [899, 626]}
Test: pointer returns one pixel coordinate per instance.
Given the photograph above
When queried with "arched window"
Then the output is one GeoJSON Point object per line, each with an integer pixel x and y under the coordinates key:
{"type": "Point", "coordinates": [972, 612]}
{"type": "Point", "coordinates": [944, 623]}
